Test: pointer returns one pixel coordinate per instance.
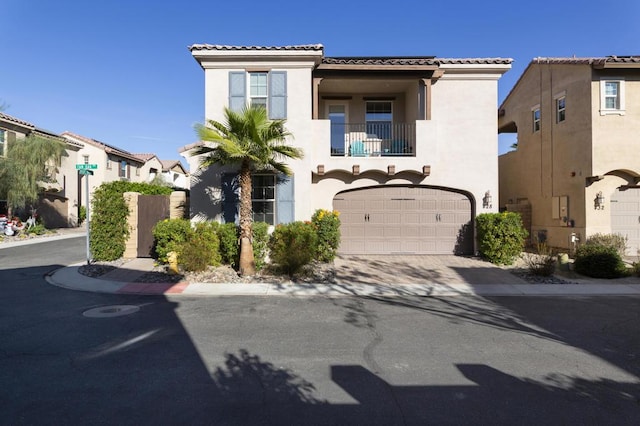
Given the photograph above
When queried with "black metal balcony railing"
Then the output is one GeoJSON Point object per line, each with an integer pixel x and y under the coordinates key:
{"type": "Point", "coordinates": [373, 139]}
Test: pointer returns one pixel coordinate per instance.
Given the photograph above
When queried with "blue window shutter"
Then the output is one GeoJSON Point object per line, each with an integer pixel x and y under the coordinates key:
{"type": "Point", "coordinates": [285, 203]}
{"type": "Point", "coordinates": [277, 95]}
{"type": "Point", "coordinates": [237, 90]}
{"type": "Point", "coordinates": [230, 198]}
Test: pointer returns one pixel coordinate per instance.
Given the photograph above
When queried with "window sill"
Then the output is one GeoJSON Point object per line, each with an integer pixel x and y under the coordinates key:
{"type": "Point", "coordinates": [613, 112]}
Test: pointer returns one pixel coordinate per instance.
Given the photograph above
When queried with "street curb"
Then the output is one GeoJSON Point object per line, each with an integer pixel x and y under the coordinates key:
{"type": "Point", "coordinates": [42, 239]}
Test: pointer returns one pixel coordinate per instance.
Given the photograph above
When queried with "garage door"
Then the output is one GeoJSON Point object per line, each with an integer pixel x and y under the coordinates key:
{"type": "Point", "coordinates": [625, 217]}
{"type": "Point", "coordinates": [389, 220]}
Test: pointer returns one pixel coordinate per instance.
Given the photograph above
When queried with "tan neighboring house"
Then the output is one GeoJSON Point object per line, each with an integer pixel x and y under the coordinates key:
{"type": "Point", "coordinates": [113, 164]}
{"type": "Point", "coordinates": [405, 148]}
{"type": "Point", "coordinates": [58, 204]}
{"type": "Point", "coordinates": [151, 168]}
{"type": "Point", "coordinates": [576, 168]}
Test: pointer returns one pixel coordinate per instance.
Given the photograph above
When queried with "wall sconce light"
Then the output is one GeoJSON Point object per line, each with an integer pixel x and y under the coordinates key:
{"type": "Point", "coordinates": [598, 202]}
{"type": "Point", "coordinates": [486, 200]}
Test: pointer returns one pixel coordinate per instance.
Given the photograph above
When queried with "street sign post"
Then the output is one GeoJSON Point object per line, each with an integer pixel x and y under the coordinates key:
{"type": "Point", "coordinates": [86, 170]}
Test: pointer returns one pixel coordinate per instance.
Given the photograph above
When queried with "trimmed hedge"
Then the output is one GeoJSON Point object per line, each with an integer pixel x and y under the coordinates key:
{"type": "Point", "coordinates": [109, 227]}
{"type": "Point", "coordinates": [327, 224]}
{"type": "Point", "coordinates": [293, 245]}
{"type": "Point", "coordinates": [501, 236]}
{"type": "Point", "coordinates": [599, 261]}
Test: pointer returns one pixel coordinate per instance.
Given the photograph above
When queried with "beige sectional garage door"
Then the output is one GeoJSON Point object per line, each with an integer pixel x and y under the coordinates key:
{"type": "Point", "coordinates": [625, 217]}
{"type": "Point", "coordinates": [388, 220]}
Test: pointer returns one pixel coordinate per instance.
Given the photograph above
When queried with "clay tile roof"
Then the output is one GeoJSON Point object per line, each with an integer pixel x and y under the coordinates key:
{"type": "Point", "coordinates": [425, 60]}
{"type": "Point", "coordinates": [598, 60]}
{"type": "Point", "coordinates": [145, 157]}
{"type": "Point", "coordinates": [226, 47]}
{"type": "Point", "coordinates": [110, 149]}
{"type": "Point", "coordinates": [15, 120]}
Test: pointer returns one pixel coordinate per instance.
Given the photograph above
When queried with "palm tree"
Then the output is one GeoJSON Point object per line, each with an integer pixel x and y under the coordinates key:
{"type": "Point", "coordinates": [250, 140]}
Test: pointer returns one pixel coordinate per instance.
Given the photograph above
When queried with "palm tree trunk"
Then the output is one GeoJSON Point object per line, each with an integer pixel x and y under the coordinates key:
{"type": "Point", "coordinates": [247, 262]}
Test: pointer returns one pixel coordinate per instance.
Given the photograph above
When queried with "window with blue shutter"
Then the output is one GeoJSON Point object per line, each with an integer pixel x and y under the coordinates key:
{"type": "Point", "coordinates": [285, 203]}
{"type": "Point", "coordinates": [230, 198]}
{"type": "Point", "coordinates": [237, 90]}
{"type": "Point", "coordinates": [277, 95]}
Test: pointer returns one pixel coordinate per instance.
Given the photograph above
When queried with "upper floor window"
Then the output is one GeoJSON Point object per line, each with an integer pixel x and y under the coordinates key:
{"type": "Point", "coordinates": [108, 163]}
{"type": "Point", "coordinates": [3, 141]}
{"type": "Point", "coordinates": [535, 113]}
{"type": "Point", "coordinates": [379, 117]}
{"type": "Point", "coordinates": [123, 170]}
{"type": "Point", "coordinates": [85, 158]}
{"type": "Point", "coordinates": [268, 89]}
{"type": "Point", "coordinates": [612, 97]}
{"type": "Point", "coordinates": [560, 109]}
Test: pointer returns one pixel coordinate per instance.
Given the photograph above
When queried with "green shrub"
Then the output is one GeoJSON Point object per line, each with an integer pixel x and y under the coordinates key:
{"type": "Point", "coordinates": [228, 234]}
{"type": "Point", "coordinates": [599, 261]}
{"type": "Point", "coordinates": [260, 243]}
{"type": "Point", "coordinates": [109, 227]}
{"type": "Point", "coordinates": [196, 254]}
{"type": "Point", "coordinates": [208, 232]}
{"type": "Point", "coordinates": [169, 235]}
{"type": "Point", "coordinates": [82, 214]}
{"type": "Point", "coordinates": [501, 236]}
{"type": "Point", "coordinates": [616, 241]}
{"type": "Point", "coordinates": [37, 229]}
{"type": "Point", "coordinates": [293, 246]}
{"type": "Point", "coordinates": [636, 269]}
{"type": "Point", "coordinates": [327, 224]}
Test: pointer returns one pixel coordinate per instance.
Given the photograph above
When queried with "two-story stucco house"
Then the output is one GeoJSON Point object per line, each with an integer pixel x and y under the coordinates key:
{"type": "Point", "coordinates": [405, 148]}
{"type": "Point", "coordinates": [58, 203]}
{"type": "Point", "coordinates": [577, 163]}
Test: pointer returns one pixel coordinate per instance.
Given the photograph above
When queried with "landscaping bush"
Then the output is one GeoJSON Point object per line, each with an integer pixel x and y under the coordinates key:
{"type": "Point", "coordinates": [169, 235]}
{"type": "Point", "coordinates": [82, 215]}
{"type": "Point", "coordinates": [195, 255]}
{"type": "Point", "coordinates": [327, 224]}
{"type": "Point", "coordinates": [501, 236]}
{"type": "Point", "coordinates": [228, 234]}
{"type": "Point", "coordinates": [615, 241]}
{"type": "Point", "coordinates": [599, 261]}
{"type": "Point", "coordinates": [260, 243]}
{"type": "Point", "coordinates": [208, 232]}
{"type": "Point", "coordinates": [109, 227]}
{"type": "Point", "coordinates": [293, 245]}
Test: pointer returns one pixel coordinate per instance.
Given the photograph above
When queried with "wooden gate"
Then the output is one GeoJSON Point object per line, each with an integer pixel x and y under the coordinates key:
{"type": "Point", "coordinates": [151, 210]}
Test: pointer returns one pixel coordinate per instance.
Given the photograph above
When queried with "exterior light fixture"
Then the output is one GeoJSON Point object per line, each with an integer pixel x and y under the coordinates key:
{"type": "Point", "coordinates": [486, 200]}
{"type": "Point", "coordinates": [598, 202]}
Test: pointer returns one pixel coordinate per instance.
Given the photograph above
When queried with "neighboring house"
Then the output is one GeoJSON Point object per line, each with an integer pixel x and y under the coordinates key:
{"type": "Point", "coordinates": [173, 172]}
{"type": "Point", "coordinates": [405, 148]}
{"type": "Point", "coordinates": [58, 201]}
{"type": "Point", "coordinates": [113, 164]}
{"type": "Point", "coordinates": [576, 168]}
{"type": "Point", "coordinates": [151, 168]}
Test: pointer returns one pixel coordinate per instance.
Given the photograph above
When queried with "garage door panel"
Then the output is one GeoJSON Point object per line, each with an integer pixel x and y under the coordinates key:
{"type": "Point", "coordinates": [401, 220]}
{"type": "Point", "coordinates": [625, 217]}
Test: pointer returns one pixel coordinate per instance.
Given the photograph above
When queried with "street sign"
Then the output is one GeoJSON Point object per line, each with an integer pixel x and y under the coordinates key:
{"type": "Point", "coordinates": [85, 172]}
{"type": "Point", "coordinates": [86, 166]}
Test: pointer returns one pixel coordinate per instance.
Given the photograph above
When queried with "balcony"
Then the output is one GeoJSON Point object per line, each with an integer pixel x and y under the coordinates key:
{"type": "Point", "coordinates": [373, 139]}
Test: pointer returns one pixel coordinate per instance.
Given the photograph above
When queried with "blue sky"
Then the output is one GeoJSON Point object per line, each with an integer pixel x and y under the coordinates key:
{"type": "Point", "coordinates": [119, 71]}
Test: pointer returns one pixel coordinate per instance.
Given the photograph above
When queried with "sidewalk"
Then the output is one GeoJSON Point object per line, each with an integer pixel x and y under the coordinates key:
{"type": "Point", "coordinates": [121, 281]}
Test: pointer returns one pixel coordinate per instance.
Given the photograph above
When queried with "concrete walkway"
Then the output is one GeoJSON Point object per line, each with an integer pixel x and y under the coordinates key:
{"type": "Point", "coordinates": [432, 276]}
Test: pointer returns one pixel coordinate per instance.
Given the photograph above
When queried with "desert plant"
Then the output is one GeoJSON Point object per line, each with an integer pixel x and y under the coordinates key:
{"type": "Point", "coordinates": [501, 236]}
{"type": "Point", "coordinates": [327, 224]}
{"type": "Point", "coordinates": [229, 248]}
{"type": "Point", "coordinates": [542, 262]}
{"type": "Point", "coordinates": [169, 235]}
{"type": "Point", "coordinates": [293, 245]}
{"type": "Point", "coordinates": [599, 261]}
{"type": "Point", "coordinates": [616, 241]}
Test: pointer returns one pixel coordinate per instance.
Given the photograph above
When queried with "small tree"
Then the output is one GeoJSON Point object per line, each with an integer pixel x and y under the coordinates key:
{"type": "Point", "coordinates": [252, 142]}
{"type": "Point", "coordinates": [500, 236]}
{"type": "Point", "coordinates": [27, 163]}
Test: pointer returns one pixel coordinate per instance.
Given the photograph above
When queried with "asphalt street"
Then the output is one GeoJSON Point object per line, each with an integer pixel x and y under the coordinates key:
{"type": "Point", "coordinates": [248, 360]}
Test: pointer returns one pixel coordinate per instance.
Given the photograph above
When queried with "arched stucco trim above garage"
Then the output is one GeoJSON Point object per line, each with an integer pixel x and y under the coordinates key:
{"type": "Point", "coordinates": [406, 219]}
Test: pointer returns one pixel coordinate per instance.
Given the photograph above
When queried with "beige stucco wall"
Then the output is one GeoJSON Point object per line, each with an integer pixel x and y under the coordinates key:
{"type": "Point", "coordinates": [556, 161]}
{"type": "Point", "coordinates": [459, 143]}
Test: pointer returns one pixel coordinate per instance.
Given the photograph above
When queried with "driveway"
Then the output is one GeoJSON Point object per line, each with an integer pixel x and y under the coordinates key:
{"type": "Point", "coordinates": [420, 269]}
